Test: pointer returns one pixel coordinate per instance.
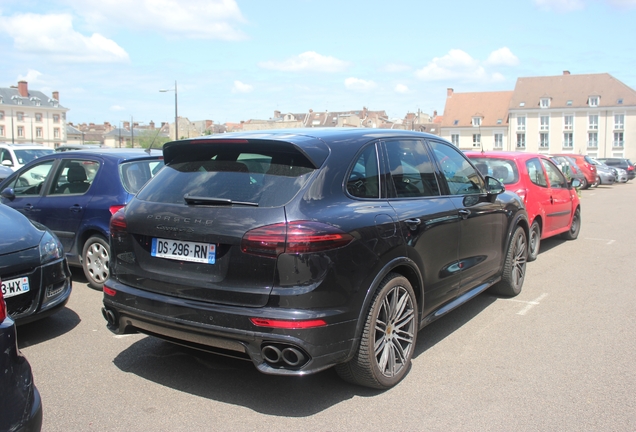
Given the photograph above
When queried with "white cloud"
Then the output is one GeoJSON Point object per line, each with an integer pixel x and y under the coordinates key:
{"type": "Point", "coordinates": [401, 88]}
{"type": "Point", "coordinates": [560, 5]}
{"type": "Point", "coordinates": [309, 61]}
{"type": "Point", "coordinates": [502, 57]}
{"type": "Point", "coordinates": [358, 84]}
{"type": "Point", "coordinates": [194, 19]}
{"type": "Point", "coordinates": [240, 87]}
{"type": "Point", "coordinates": [459, 65]}
{"type": "Point", "coordinates": [117, 108]}
{"type": "Point", "coordinates": [32, 77]}
{"type": "Point", "coordinates": [622, 4]}
{"type": "Point", "coordinates": [53, 35]}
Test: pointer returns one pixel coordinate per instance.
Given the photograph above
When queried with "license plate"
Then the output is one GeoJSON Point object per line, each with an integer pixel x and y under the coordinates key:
{"type": "Point", "coordinates": [184, 251]}
{"type": "Point", "coordinates": [14, 287]}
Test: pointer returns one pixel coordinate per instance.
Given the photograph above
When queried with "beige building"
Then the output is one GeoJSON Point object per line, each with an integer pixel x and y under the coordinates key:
{"type": "Point", "coordinates": [592, 114]}
{"type": "Point", "coordinates": [476, 121]}
{"type": "Point", "coordinates": [31, 116]}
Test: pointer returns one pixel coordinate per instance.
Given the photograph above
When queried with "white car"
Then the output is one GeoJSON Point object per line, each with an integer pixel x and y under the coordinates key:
{"type": "Point", "coordinates": [621, 175]}
{"type": "Point", "coordinates": [14, 156]}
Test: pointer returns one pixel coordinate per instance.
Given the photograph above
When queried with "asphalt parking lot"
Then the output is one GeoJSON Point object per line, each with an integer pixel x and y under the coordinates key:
{"type": "Point", "coordinates": [560, 356]}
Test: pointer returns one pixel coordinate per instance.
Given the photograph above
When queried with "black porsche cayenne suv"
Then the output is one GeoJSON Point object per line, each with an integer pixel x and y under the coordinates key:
{"type": "Point", "coordinates": [311, 248]}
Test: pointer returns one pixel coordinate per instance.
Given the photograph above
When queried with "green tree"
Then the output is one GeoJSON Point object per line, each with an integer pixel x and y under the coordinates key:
{"type": "Point", "coordinates": [152, 138]}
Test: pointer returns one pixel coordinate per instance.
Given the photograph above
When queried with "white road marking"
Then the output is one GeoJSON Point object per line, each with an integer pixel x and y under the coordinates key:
{"type": "Point", "coordinates": [532, 304]}
{"type": "Point", "coordinates": [607, 241]}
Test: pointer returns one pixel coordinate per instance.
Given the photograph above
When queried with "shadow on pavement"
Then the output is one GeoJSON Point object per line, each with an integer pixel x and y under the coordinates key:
{"type": "Point", "coordinates": [238, 382]}
{"type": "Point", "coordinates": [47, 328]}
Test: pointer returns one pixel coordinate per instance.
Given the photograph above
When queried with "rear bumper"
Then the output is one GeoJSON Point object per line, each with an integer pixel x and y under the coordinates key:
{"type": "Point", "coordinates": [227, 330]}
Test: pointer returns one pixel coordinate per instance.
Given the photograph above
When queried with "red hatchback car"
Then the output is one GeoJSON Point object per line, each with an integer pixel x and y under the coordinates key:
{"type": "Point", "coordinates": [587, 167]}
{"type": "Point", "coordinates": [551, 201]}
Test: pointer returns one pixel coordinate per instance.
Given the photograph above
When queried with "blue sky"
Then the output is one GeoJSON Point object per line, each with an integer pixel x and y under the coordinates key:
{"type": "Point", "coordinates": [237, 60]}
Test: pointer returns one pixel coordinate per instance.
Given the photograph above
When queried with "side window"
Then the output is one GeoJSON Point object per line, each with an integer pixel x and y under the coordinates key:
{"type": "Point", "coordinates": [535, 172]}
{"type": "Point", "coordinates": [6, 156]}
{"type": "Point", "coordinates": [364, 181]}
{"type": "Point", "coordinates": [557, 180]}
{"type": "Point", "coordinates": [74, 177]}
{"type": "Point", "coordinates": [30, 181]}
{"type": "Point", "coordinates": [460, 175]}
{"type": "Point", "coordinates": [411, 169]}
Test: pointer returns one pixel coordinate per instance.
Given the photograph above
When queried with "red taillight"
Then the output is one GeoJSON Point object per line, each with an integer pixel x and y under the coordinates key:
{"type": "Point", "coordinates": [118, 221]}
{"type": "Point", "coordinates": [630, 168]}
{"type": "Point", "coordinates": [115, 208]}
{"type": "Point", "coordinates": [523, 193]}
{"type": "Point", "coordinates": [293, 238]}
{"type": "Point", "coordinates": [109, 291]}
{"type": "Point", "coordinates": [285, 324]}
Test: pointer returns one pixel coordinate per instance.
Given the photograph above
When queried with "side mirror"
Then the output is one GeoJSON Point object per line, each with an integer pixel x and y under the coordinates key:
{"type": "Point", "coordinates": [8, 193]}
{"type": "Point", "coordinates": [494, 187]}
{"type": "Point", "coordinates": [575, 183]}
{"type": "Point", "coordinates": [7, 163]}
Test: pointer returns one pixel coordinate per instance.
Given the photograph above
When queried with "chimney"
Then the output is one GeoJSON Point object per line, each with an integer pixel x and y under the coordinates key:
{"type": "Point", "coordinates": [566, 72]}
{"type": "Point", "coordinates": [23, 88]}
{"type": "Point", "coordinates": [56, 95]}
{"type": "Point", "coordinates": [152, 125]}
{"type": "Point", "coordinates": [449, 92]}
{"type": "Point", "coordinates": [434, 113]}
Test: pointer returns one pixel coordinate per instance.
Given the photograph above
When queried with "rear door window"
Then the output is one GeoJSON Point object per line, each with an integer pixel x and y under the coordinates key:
{"type": "Point", "coordinates": [364, 179]}
{"type": "Point", "coordinates": [412, 169]}
{"type": "Point", "coordinates": [73, 176]}
{"type": "Point", "coordinates": [462, 178]}
{"type": "Point", "coordinates": [134, 175]}
{"type": "Point", "coordinates": [535, 172]}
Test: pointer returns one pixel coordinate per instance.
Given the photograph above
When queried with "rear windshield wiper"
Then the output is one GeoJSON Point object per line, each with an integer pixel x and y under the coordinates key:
{"type": "Point", "coordinates": [198, 200]}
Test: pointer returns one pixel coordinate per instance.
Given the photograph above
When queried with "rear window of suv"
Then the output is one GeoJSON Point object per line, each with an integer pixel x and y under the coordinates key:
{"type": "Point", "coordinates": [250, 176]}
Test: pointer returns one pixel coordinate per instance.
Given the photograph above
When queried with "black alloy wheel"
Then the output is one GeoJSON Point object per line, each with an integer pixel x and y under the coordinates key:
{"type": "Point", "coordinates": [388, 338]}
{"type": "Point", "coordinates": [514, 271]}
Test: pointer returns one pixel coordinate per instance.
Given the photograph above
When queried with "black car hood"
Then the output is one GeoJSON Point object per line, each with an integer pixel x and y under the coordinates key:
{"type": "Point", "coordinates": [16, 231]}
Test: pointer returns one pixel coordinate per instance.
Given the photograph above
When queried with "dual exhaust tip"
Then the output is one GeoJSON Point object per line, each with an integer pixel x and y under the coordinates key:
{"type": "Point", "coordinates": [283, 356]}
{"type": "Point", "coordinates": [109, 316]}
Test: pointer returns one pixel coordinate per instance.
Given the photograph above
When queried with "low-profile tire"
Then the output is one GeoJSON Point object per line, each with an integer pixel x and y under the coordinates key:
{"type": "Point", "coordinates": [575, 226]}
{"type": "Point", "coordinates": [514, 271]}
{"type": "Point", "coordinates": [388, 339]}
{"type": "Point", "coordinates": [95, 257]}
{"type": "Point", "coordinates": [534, 242]}
{"type": "Point", "coordinates": [584, 183]}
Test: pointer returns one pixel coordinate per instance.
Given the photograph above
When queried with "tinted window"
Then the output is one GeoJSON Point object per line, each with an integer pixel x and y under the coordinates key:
{"type": "Point", "coordinates": [460, 175]}
{"type": "Point", "coordinates": [535, 172]}
{"type": "Point", "coordinates": [411, 169]}
{"type": "Point", "coordinates": [256, 175]}
{"type": "Point", "coordinates": [134, 175]}
{"type": "Point", "coordinates": [364, 181]}
{"type": "Point", "coordinates": [504, 170]}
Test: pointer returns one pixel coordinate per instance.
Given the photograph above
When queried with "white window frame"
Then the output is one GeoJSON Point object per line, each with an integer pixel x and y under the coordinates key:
{"type": "Point", "coordinates": [619, 140]}
{"type": "Point", "coordinates": [38, 117]}
{"type": "Point", "coordinates": [498, 140]}
{"type": "Point", "coordinates": [619, 121]}
{"type": "Point", "coordinates": [544, 140]}
{"type": "Point", "coordinates": [592, 125]}
{"type": "Point", "coordinates": [455, 139]}
{"type": "Point", "coordinates": [56, 132]}
{"type": "Point", "coordinates": [477, 140]}
{"type": "Point", "coordinates": [56, 118]}
{"type": "Point", "coordinates": [568, 140]}
{"type": "Point", "coordinates": [20, 131]}
{"type": "Point", "coordinates": [476, 121]}
{"type": "Point", "coordinates": [592, 143]}
{"type": "Point", "coordinates": [19, 116]}
{"type": "Point", "coordinates": [2, 130]}
{"type": "Point", "coordinates": [521, 141]}
{"type": "Point", "coordinates": [544, 102]}
{"type": "Point", "coordinates": [38, 132]}
{"type": "Point", "coordinates": [521, 123]}
{"type": "Point", "coordinates": [568, 122]}
{"type": "Point", "coordinates": [593, 101]}
{"type": "Point", "coordinates": [545, 122]}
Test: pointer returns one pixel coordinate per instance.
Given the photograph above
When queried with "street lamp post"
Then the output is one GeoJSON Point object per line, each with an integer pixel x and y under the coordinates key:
{"type": "Point", "coordinates": [176, 115]}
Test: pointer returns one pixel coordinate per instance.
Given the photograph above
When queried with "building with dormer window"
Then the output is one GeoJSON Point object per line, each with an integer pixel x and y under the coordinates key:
{"type": "Point", "coordinates": [30, 116]}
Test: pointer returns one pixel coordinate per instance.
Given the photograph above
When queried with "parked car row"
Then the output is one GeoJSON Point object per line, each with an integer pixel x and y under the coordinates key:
{"type": "Point", "coordinates": [297, 250]}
